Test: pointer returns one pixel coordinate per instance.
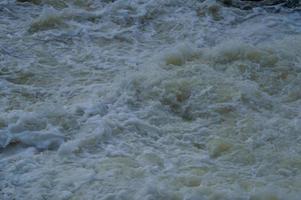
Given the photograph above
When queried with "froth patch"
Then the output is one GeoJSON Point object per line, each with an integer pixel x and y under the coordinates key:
{"type": "Point", "coordinates": [180, 54]}
{"type": "Point", "coordinates": [232, 51]}
{"type": "Point", "coordinates": [49, 19]}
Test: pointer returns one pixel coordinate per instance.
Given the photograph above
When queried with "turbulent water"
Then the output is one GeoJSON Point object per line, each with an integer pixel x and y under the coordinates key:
{"type": "Point", "coordinates": [149, 100]}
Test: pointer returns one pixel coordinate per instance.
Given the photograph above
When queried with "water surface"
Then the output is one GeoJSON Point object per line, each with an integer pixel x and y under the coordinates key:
{"type": "Point", "coordinates": [149, 99]}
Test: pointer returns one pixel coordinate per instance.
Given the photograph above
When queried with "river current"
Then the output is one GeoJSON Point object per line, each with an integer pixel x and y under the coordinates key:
{"type": "Point", "coordinates": [149, 100]}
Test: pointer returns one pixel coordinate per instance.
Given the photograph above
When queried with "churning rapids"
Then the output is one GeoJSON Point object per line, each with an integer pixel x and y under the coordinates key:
{"type": "Point", "coordinates": [149, 100]}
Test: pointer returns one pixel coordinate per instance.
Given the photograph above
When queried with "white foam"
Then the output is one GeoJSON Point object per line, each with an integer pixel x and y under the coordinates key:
{"type": "Point", "coordinates": [149, 99]}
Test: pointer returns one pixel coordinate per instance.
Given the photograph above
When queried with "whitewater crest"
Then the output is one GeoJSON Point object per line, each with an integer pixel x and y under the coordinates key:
{"type": "Point", "coordinates": [155, 99]}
